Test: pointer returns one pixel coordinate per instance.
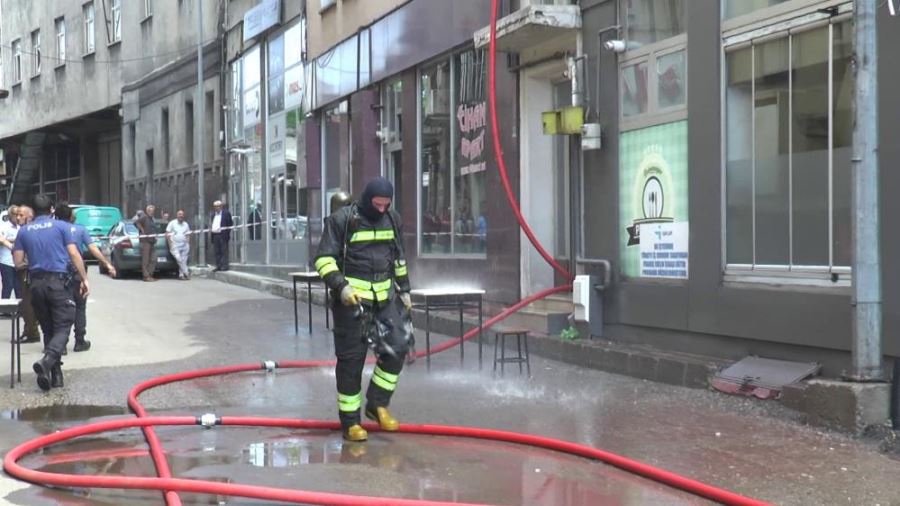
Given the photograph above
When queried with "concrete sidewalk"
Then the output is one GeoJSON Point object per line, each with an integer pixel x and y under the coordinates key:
{"type": "Point", "coordinates": [848, 407]}
{"type": "Point", "coordinates": [679, 369]}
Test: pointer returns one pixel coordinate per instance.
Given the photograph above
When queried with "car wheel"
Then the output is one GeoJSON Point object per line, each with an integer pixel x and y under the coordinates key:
{"type": "Point", "coordinates": [115, 264]}
{"type": "Point", "coordinates": [102, 268]}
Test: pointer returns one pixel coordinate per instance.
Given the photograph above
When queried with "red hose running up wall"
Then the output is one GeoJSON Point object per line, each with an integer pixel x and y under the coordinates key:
{"type": "Point", "coordinates": [169, 485]}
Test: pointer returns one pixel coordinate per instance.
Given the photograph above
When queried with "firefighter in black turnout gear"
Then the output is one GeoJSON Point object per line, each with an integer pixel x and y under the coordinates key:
{"type": "Point", "coordinates": [361, 259]}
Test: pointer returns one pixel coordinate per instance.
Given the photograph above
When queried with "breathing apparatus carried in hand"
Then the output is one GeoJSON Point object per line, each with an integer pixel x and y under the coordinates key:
{"type": "Point", "coordinates": [386, 328]}
{"type": "Point", "coordinates": [375, 332]}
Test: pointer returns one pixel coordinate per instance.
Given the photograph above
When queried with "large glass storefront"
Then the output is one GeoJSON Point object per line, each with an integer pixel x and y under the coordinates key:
{"type": "Point", "coordinates": [453, 133]}
{"type": "Point", "coordinates": [788, 140]}
{"type": "Point", "coordinates": [287, 198]}
{"type": "Point", "coordinates": [268, 188]}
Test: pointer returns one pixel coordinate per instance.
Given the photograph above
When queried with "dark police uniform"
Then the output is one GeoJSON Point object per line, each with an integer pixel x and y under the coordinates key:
{"type": "Point", "coordinates": [82, 239]}
{"type": "Point", "coordinates": [44, 241]}
{"type": "Point", "coordinates": [366, 254]}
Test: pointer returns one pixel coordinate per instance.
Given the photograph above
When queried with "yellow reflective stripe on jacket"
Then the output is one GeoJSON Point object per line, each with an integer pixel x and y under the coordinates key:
{"type": "Point", "coordinates": [371, 291]}
{"type": "Point", "coordinates": [400, 269]}
{"type": "Point", "coordinates": [373, 235]}
{"type": "Point", "coordinates": [385, 380]}
{"type": "Point", "coordinates": [349, 402]}
{"type": "Point", "coordinates": [326, 265]}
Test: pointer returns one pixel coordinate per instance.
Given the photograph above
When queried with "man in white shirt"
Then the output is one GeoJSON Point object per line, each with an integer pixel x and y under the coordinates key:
{"type": "Point", "coordinates": [177, 234]}
{"type": "Point", "coordinates": [8, 231]}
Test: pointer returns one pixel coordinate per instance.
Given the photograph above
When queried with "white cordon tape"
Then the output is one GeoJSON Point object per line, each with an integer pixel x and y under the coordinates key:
{"type": "Point", "coordinates": [189, 232]}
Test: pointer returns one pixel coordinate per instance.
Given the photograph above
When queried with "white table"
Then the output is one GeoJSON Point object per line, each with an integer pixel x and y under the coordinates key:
{"type": "Point", "coordinates": [9, 308]}
{"type": "Point", "coordinates": [450, 298]}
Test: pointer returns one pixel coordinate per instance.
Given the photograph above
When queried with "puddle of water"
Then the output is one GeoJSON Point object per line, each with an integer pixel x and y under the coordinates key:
{"type": "Point", "coordinates": [61, 413]}
{"type": "Point", "coordinates": [408, 466]}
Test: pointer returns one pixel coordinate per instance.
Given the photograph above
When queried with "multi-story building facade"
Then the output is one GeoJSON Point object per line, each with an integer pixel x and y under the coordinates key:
{"type": "Point", "coordinates": [59, 128]}
{"type": "Point", "coordinates": [412, 107]}
{"type": "Point", "coordinates": [717, 187]}
{"type": "Point", "coordinates": [83, 77]}
{"type": "Point", "coordinates": [719, 192]}
{"type": "Point", "coordinates": [161, 111]}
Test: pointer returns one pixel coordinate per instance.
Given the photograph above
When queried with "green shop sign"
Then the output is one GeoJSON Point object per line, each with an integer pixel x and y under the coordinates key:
{"type": "Point", "coordinates": [653, 194]}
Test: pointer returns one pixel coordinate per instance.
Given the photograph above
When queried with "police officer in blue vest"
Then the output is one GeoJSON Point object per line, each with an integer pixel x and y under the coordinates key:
{"type": "Point", "coordinates": [49, 247]}
{"type": "Point", "coordinates": [83, 241]}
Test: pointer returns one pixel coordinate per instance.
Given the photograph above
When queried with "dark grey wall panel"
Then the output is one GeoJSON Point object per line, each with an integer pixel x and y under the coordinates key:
{"type": "Point", "coordinates": [601, 168]}
{"type": "Point", "coordinates": [704, 306]}
{"type": "Point", "coordinates": [889, 153]}
{"type": "Point", "coordinates": [654, 304]}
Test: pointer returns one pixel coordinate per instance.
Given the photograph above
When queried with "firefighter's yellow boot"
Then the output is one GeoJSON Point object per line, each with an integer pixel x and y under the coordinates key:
{"type": "Point", "coordinates": [356, 433]}
{"type": "Point", "coordinates": [384, 418]}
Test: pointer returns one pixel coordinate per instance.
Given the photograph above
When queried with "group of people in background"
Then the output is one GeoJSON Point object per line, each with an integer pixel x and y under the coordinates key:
{"type": "Point", "coordinates": [41, 264]}
{"type": "Point", "coordinates": [177, 235]}
{"type": "Point", "coordinates": [41, 248]}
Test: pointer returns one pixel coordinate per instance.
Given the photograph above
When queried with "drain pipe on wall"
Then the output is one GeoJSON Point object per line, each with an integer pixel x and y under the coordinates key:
{"type": "Point", "coordinates": [866, 302]}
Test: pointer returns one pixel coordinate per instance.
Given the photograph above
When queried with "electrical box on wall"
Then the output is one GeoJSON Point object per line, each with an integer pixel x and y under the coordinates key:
{"type": "Point", "coordinates": [571, 120]}
{"type": "Point", "coordinates": [565, 121]}
{"type": "Point", "coordinates": [590, 136]}
{"type": "Point", "coordinates": [550, 120]}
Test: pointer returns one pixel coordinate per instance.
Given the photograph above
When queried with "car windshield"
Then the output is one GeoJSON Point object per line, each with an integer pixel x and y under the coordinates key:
{"type": "Point", "coordinates": [130, 229]}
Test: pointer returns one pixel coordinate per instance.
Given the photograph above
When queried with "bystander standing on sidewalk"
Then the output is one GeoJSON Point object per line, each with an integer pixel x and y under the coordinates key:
{"type": "Point", "coordinates": [177, 235]}
{"type": "Point", "coordinates": [31, 332]}
{"type": "Point", "coordinates": [220, 231]}
{"type": "Point", "coordinates": [8, 231]}
{"type": "Point", "coordinates": [147, 227]}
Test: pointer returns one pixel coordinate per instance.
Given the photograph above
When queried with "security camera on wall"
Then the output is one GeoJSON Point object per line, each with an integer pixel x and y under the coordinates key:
{"type": "Point", "coordinates": [616, 46]}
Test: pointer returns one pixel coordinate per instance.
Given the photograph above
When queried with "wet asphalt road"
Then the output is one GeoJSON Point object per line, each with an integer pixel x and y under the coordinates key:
{"type": "Point", "coordinates": [141, 330]}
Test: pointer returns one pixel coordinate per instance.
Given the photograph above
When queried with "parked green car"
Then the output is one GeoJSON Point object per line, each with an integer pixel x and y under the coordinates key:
{"type": "Point", "coordinates": [98, 220]}
{"type": "Point", "coordinates": [124, 250]}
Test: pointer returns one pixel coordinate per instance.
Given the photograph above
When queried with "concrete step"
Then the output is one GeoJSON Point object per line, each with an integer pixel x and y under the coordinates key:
{"type": "Point", "coordinates": [538, 320]}
{"type": "Point", "coordinates": [561, 303]}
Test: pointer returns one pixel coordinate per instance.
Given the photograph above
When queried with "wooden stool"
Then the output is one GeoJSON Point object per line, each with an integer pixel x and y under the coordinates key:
{"type": "Point", "coordinates": [521, 336]}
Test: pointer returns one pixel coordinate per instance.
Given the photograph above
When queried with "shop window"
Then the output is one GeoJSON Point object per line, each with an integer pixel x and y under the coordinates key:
{"type": "Point", "coordinates": [735, 8]}
{"type": "Point", "coordinates": [336, 154]}
{"type": "Point", "coordinates": [788, 132]}
{"type": "Point", "coordinates": [653, 70]}
{"type": "Point", "coordinates": [250, 201]}
{"type": "Point", "coordinates": [453, 138]}
{"type": "Point", "coordinates": [651, 21]}
{"type": "Point", "coordinates": [391, 135]}
{"type": "Point", "coordinates": [234, 112]}
{"type": "Point", "coordinates": [634, 89]}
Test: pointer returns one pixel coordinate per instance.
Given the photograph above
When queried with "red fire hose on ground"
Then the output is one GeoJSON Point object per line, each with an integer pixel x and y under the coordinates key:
{"type": "Point", "coordinates": [170, 486]}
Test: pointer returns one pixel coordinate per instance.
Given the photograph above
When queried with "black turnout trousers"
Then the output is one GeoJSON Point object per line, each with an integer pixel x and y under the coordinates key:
{"type": "Point", "coordinates": [351, 348]}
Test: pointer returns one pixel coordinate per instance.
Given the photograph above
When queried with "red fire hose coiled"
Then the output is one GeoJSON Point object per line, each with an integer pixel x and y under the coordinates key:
{"type": "Point", "coordinates": [170, 486]}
